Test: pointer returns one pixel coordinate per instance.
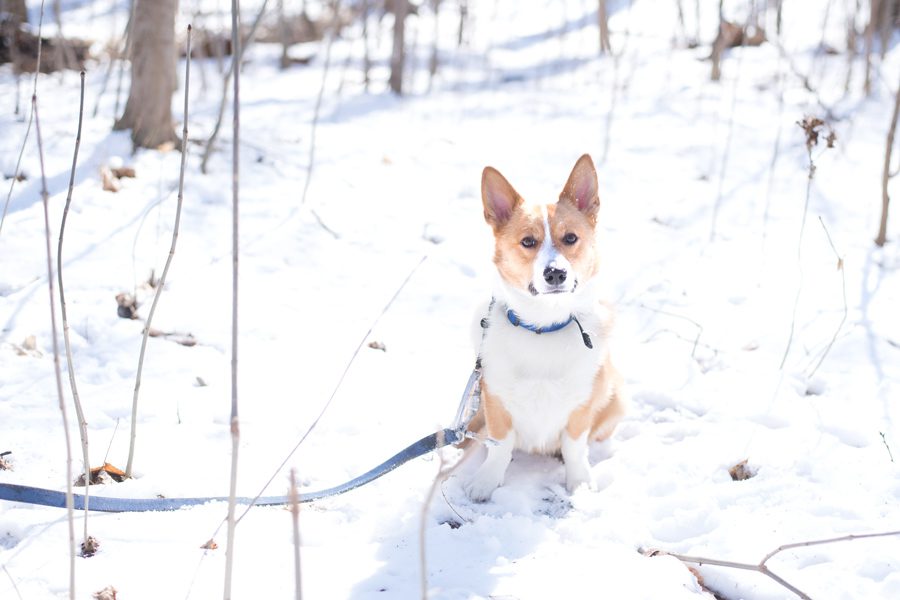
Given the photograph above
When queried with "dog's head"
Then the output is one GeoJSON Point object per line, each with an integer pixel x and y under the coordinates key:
{"type": "Point", "coordinates": [544, 249]}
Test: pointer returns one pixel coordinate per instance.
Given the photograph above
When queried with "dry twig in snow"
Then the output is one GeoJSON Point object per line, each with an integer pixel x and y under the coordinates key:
{"type": "Point", "coordinates": [70, 367]}
{"type": "Point", "coordinates": [235, 188]}
{"type": "Point", "coordinates": [70, 504]}
{"type": "Point", "coordinates": [761, 566]}
{"type": "Point", "coordinates": [295, 520]}
{"type": "Point", "coordinates": [162, 279]}
{"type": "Point", "coordinates": [886, 174]}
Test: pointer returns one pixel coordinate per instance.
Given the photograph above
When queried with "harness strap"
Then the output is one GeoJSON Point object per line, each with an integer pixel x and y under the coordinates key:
{"type": "Point", "coordinates": [44, 497]}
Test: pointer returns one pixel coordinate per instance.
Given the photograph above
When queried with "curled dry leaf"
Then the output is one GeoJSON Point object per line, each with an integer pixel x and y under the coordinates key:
{"type": "Point", "coordinates": [376, 345]}
{"type": "Point", "coordinates": [741, 471]}
{"type": "Point", "coordinates": [89, 547]}
{"type": "Point", "coordinates": [5, 464]}
{"type": "Point", "coordinates": [105, 474]}
{"type": "Point", "coordinates": [110, 182]}
{"type": "Point", "coordinates": [127, 306]}
{"type": "Point", "coordinates": [210, 544]}
{"type": "Point", "coordinates": [107, 593]}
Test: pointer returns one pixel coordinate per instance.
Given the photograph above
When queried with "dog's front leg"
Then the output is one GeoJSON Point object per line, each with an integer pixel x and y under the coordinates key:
{"type": "Point", "coordinates": [490, 474]}
{"type": "Point", "coordinates": [498, 426]}
{"type": "Point", "coordinates": [575, 457]}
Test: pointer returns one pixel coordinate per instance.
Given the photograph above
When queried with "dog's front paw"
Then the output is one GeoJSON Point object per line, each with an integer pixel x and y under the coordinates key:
{"type": "Point", "coordinates": [578, 475]}
{"type": "Point", "coordinates": [483, 485]}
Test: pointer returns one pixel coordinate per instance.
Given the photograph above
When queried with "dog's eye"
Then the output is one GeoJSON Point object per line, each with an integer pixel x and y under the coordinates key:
{"type": "Point", "coordinates": [529, 242]}
{"type": "Point", "coordinates": [570, 238]}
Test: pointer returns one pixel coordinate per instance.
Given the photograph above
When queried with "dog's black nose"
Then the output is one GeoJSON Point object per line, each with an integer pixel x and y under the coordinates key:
{"type": "Point", "coordinates": [554, 276]}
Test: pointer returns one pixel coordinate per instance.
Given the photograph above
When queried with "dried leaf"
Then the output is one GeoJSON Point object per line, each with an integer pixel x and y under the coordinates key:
{"type": "Point", "coordinates": [107, 593]}
{"type": "Point", "coordinates": [109, 181]}
{"type": "Point", "coordinates": [741, 471]}
{"type": "Point", "coordinates": [127, 306]}
{"type": "Point", "coordinates": [5, 464]}
{"type": "Point", "coordinates": [376, 345]}
{"type": "Point", "coordinates": [103, 475]}
{"type": "Point", "coordinates": [120, 172]}
{"type": "Point", "coordinates": [89, 548]}
{"type": "Point", "coordinates": [210, 545]}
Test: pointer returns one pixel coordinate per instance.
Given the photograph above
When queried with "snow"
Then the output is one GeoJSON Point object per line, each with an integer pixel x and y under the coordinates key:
{"type": "Point", "coordinates": [707, 249]}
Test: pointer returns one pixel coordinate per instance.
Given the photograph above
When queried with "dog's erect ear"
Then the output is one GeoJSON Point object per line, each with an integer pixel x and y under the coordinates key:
{"type": "Point", "coordinates": [499, 198]}
{"type": "Point", "coordinates": [581, 188]}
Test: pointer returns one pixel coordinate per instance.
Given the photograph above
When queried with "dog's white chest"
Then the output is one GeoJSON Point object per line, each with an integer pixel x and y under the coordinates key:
{"type": "Point", "coordinates": [539, 378]}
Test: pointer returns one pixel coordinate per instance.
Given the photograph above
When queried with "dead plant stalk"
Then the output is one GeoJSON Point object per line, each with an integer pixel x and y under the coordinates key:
{"type": "Point", "coordinates": [70, 367]}
{"type": "Point", "coordinates": [70, 504]}
{"type": "Point", "coordinates": [886, 174]}
{"type": "Point", "coordinates": [295, 521]}
{"type": "Point", "coordinates": [235, 238]}
{"type": "Point", "coordinates": [162, 279]}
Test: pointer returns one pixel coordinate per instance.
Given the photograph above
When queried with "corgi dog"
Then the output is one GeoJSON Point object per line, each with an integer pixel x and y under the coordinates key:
{"type": "Point", "coordinates": [547, 385]}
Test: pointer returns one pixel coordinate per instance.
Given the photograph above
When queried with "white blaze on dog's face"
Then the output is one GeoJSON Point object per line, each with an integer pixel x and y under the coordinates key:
{"type": "Point", "coordinates": [544, 249]}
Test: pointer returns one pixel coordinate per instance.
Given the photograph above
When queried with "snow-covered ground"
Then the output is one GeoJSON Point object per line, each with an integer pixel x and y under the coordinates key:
{"type": "Point", "coordinates": [708, 252]}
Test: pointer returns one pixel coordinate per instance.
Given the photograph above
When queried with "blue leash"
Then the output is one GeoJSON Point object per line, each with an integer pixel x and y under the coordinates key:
{"type": "Point", "coordinates": [467, 408]}
{"type": "Point", "coordinates": [44, 497]}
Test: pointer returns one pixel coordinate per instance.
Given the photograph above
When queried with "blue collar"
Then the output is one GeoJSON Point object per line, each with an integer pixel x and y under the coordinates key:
{"type": "Point", "coordinates": [515, 320]}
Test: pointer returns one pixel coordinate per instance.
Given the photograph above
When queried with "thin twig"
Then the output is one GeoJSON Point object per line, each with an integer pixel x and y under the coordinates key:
{"type": "Point", "coordinates": [727, 151]}
{"type": "Point", "coordinates": [445, 469]}
{"type": "Point", "coordinates": [70, 367]}
{"type": "Point", "coordinates": [761, 566]}
{"type": "Point", "coordinates": [162, 279]}
{"type": "Point", "coordinates": [13, 582]}
{"type": "Point", "coordinates": [315, 120]}
{"type": "Point", "coordinates": [337, 386]}
{"type": "Point", "coordinates": [888, 448]}
{"type": "Point", "coordinates": [70, 504]}
{"type": "Point", "coordinates": [840, 267]}
{"type": "Point", "coordinates": [129, 43]}
{"type": "Point", "coordinates": [237, 56]}
{"type": "Point", "coordinates": [235, 238]}
{"type": "Point", "coordinates": [881, 238]}
{"type": "Point", "coordinates": [295, 521]}
{"type": "Point", "coordinates": [37, 71]}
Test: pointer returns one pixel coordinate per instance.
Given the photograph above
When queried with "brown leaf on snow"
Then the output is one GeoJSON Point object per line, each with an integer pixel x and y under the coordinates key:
{"type": "Point", "coordinates": [101, 475]}
{"type": "Point", "coordinates": [210, 544]}
{"type": "Point", "coordinates": [376, 345]}
{"type": "Point", "coordinates": [741, 471]}
{"type": "Point", "coordinates": [107, 593]}
{"type": "Point", "coordinates": [127, 306]}
{"type": "Point", "coordinates": [89, 547]}
{"type": "Point", "coordinates": [5, 465]}
{"type": "Point", "coordinates": [110, 182]}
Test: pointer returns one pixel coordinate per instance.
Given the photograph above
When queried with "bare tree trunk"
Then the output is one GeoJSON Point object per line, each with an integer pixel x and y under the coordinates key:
{"type": "Point", "coordinates": [285, 36]}
{"type": "Point", "coordinates": [398, 56]}
{"type": "Point", "coordinates": [874, 8]}
{"type": "Point", "coordinates": [463, 17]}
{"type": "Point", "coordinates": [718, 47]}
{"type": "Point", "coordinates": [885, 22]}
{"type": "Point", "coordinates": [148, 112]}
{"type": "Point", "coordinates": [16, 9]}
{"type": "Point", "coordinates": [886, 173]}
{"type": "Point", "coordinates": [603, 22]}
{"type": "Point", "coordinates": [367, 59]}
{"type": "Point", "coordinates": [433, 60]}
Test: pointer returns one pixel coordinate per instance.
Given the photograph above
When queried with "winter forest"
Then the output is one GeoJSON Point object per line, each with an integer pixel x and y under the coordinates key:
{"type": "Point", "coordinates": [243, 251]}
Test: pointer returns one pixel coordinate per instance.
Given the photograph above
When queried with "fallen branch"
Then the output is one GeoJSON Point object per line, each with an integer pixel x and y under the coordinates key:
{"type": "Point", "coordinates": [761, 566]}
{"type": "Point", "coordinates": [162, 279]}
{"type": "Point", "coordinates": [70, 367]}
